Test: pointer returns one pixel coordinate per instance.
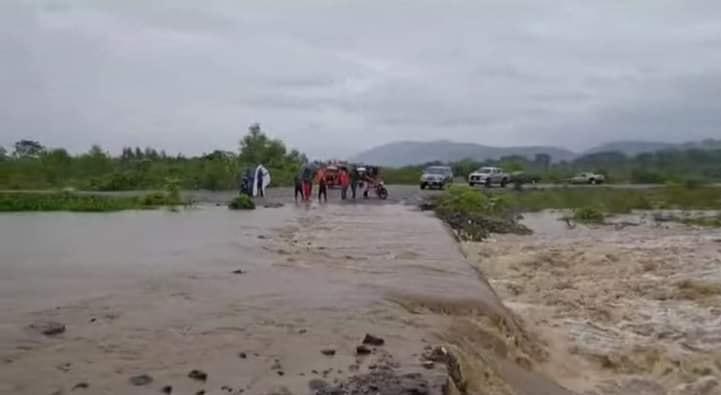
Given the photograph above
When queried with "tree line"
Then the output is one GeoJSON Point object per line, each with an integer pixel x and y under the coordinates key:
{"type": "Point", "coordinates": [31, 165]}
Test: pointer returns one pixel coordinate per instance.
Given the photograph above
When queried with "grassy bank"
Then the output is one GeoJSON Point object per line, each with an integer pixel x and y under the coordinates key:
{"type": "Point", "coordinates": [18, 202]}
{"type": "Point", "coordinates": [474, 213]}
{"type": "Point", "coordinates": [616, 200]}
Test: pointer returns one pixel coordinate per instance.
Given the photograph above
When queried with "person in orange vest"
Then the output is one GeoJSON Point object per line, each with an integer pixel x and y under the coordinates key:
{"type": "Point", "coordinates": [322, 186]}
{"type": "Point", "coordinates": [344, 181]}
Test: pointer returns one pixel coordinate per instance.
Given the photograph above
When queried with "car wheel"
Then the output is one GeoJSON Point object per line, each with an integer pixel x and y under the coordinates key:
{"type": "Point", "coordinates": [504, 182]}
{"type": "Point", "coordinates": [488, 183]}
{"type": "Point", "coordinates": [592, 181]}
{"type": "Point", "coordinates": [471, 184]}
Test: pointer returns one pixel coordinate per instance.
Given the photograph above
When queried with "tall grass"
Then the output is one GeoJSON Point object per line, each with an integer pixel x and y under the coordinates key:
{"type": "Point", "coordinates": [617, 200]}
{"type": "Point", "coordinates": [608, 200]}
{"type": "Point", "coordinates": [17, 201]}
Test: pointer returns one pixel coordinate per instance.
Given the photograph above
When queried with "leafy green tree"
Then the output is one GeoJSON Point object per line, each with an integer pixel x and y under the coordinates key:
{"type": "Point", "coordinates": [465, 167]}
{"type": "Point", "coordinates": [55, 163]}
{"type": "Point", "coordinates": [28, 148]}
{"type": "Point", "coordinates": [127, 154]}
{"type": "Point", "coordinates": [3, 153]}
{"type": "Point", "coordinates": [512, 166]}
{"type": "Point", "coordinates": [256, 148]}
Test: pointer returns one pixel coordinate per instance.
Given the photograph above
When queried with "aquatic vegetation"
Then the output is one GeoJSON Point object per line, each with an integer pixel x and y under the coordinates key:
{"type": "Point", "coordinates": [591, 215]}
{"type": "Point", "coordinates": [242, 202]}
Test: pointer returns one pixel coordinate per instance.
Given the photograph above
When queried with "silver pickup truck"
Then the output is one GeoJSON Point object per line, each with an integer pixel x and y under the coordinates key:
{"type": "Point", "coordinates": [588, 178]}
{"type": "Point", "coordinates": [436, 177]}
{"type": "Point", "coordinates": [489, 176]}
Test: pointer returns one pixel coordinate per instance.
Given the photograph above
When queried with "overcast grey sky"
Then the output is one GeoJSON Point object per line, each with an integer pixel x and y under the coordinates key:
{"type": "Point", "coordinates": [336, 77]}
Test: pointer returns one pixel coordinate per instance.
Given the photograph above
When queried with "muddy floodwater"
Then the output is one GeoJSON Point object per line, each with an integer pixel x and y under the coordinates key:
{"type": "Point", "coordinates": [633, 307]}
{"type": "Point", "coordinates": [262, 302]}
{"type": "Point", "coordinates": [281, 300]}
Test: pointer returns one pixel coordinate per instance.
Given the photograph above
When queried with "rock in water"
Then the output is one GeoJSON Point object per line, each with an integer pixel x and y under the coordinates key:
{"type": "Point", "coordinates": [81, 386]}
{"type": "Point", "coordinates": [48, 328]}
{"type": "Point", "coordinates": [198, 375]}
{"type": "Point", "coordinates": [373, 340]}
{"type": "Point", "coordinates": [362, 350]}
{"type": "Point", "coordinates": [428, 364]}
{"type": "Point", "coordinates": [143, 379]}
{"type": "Point", "coordinates": [328, 351]}
{"type": "Point", "coordinates": [316, 385]}
{"type": "Point", "coordinates": [280, 391]}
{"type": "Point", "coordinates": [168, 389]}
{"type": "Point", "coordinates": [242, 355]}
{"type": "Point", "coordinates": [239, 271]}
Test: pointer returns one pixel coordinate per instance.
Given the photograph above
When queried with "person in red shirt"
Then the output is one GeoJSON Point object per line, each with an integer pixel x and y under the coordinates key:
{"type": "Point", "coordinates": [344, 181]}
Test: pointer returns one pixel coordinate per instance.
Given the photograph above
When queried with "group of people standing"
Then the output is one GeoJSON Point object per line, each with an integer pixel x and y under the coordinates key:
{"type": "Point", "coordinates": [308, 176]}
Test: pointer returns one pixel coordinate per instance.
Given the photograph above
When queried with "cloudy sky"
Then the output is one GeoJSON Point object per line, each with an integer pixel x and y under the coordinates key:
{"type": "Point", "coordinates": [335, 77]}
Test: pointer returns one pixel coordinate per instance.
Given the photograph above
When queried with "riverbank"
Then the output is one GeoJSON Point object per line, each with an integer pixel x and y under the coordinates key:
{"type": "Point", "coordinates": [68, 201]}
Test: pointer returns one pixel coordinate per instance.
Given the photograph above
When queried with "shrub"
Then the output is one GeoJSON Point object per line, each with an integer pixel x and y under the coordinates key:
{"type": "Point", "coordinates": [589, 215]}
{"type": "Point", "coordinates": [242, 202]}
{"type": "Point", "coordinates": [694, 183]}
{"type": "Point", "coordinates": [464, 200]}
{"type": "Point", "coordinates": [473, 215]}
{"type": "Point", "coordinates": [647, 177]}
{"type": "Point", "coordinates": [155, 199]}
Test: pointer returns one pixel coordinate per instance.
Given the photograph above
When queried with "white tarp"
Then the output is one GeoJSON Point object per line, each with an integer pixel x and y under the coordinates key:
{"type": "Point", "coordinates": [266, 179]}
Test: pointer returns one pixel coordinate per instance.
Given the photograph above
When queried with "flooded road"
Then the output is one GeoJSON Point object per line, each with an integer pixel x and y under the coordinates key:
{"type": "Point", "coordinates": [154, 293]}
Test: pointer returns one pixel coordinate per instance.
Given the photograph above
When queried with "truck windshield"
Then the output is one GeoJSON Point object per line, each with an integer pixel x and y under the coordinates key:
{"type": "Point", "coordinates": [436, 170]}
{"type": "Point", "coordinates": [485, 170]}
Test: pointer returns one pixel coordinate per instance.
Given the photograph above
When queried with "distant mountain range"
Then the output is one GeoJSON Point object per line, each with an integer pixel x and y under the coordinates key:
{"type": "Point", "coordinates": [405, 153]}
{"type": "Point", "coordinates": [632, 148]}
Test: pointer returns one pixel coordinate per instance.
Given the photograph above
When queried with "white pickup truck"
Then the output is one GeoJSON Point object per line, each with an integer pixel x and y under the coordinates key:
{"type": "Point", "coordinates": [588, 178]}
{"type": "Point", "coordinates": [488, 176]}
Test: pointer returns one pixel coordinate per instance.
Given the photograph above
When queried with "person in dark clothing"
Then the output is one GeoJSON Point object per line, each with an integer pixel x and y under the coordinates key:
{"type": "Point", "coordinates": [354, 179]}
{"type": "Point", "coordinates": [261, 190]}
{"type": "Point", "coordinates": [322, 185]}
{"type": "Point", "coordinates": [246, 184]}
{"type": "Point", "coordinates": [299, 187]}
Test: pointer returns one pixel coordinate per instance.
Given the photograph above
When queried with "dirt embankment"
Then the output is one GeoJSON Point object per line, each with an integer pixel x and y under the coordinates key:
{"type": "Point", "coordinates": [618, 309]}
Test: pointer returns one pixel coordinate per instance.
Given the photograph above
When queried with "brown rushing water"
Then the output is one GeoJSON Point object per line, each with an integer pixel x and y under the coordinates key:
{"type": "Point", "coordinates": [153, 293]}
{"type": "Point", "coordinates": [623, 309]}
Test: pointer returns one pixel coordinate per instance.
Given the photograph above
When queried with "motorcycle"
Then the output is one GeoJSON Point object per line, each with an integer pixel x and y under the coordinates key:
{"type": "Point", "coordinates": [381, 190]}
